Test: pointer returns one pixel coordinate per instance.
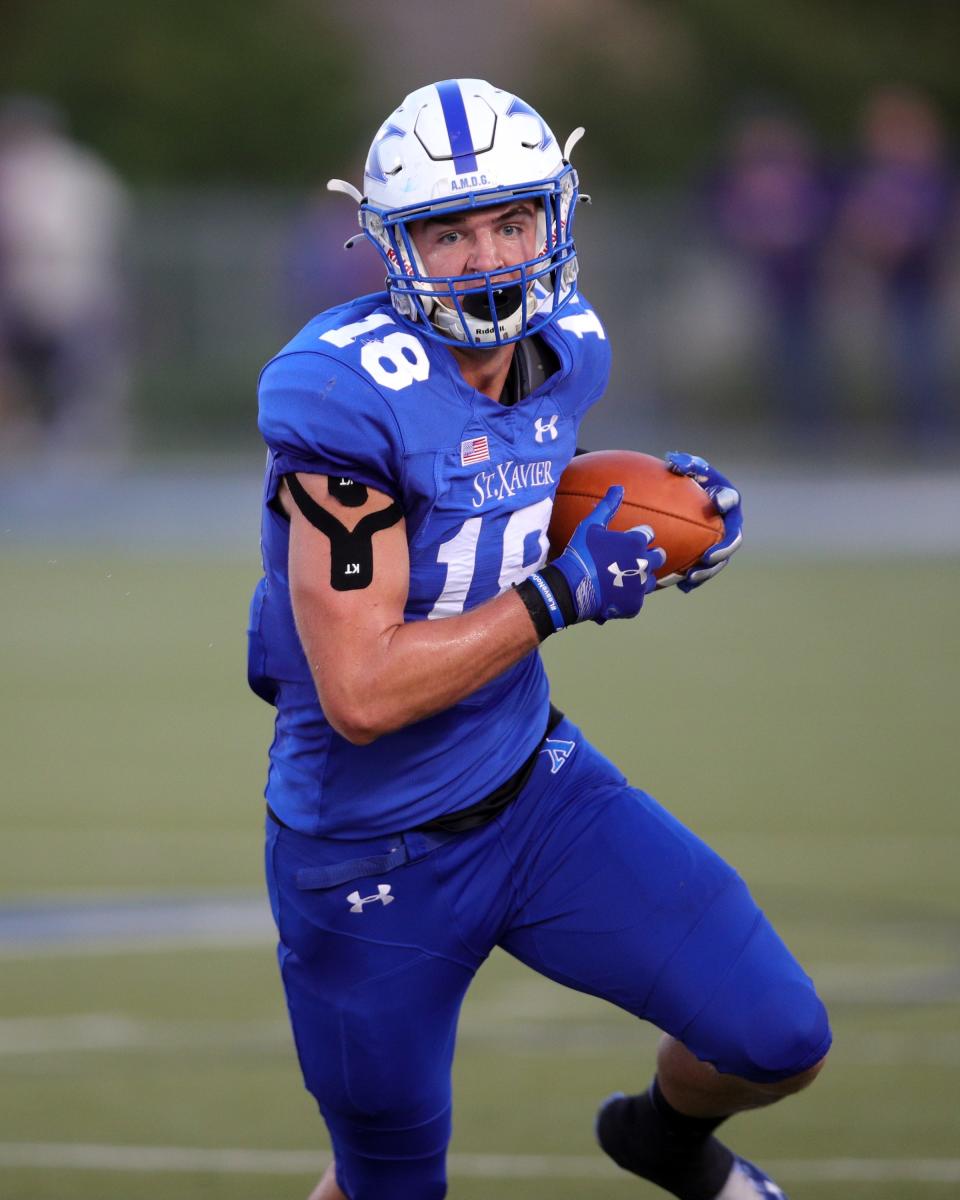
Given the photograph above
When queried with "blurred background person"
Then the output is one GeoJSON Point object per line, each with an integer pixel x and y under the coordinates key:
{"type": "Point", "coordinates": [895, 224]}
{"type": "Point", "coordinates": [772, 203]}
{"type": "Point", "coordinates": [318, 273]}
{"type": "Point", "coordinates": [63, 214]}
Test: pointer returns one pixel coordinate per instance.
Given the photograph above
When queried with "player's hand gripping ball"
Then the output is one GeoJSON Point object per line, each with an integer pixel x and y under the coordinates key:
{"type": "Point", "coordinates": [726, 501]}
{"type": "Point", "coordinates": [693, 510]}
{"type": "Point", "coordinates": [609, 572]}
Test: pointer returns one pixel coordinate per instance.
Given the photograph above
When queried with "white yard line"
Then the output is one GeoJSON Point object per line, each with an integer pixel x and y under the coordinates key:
{"type": "Point", "coordinates": [98, 1157]}
{"type": "Point", "coordinates": [104, 1032]}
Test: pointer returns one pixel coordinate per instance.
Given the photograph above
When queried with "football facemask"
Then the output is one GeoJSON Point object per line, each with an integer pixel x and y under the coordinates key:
{"type": "Point", "coordinates": [456, 147]}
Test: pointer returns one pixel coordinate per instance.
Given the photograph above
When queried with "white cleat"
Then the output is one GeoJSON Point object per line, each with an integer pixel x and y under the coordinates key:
{"type": "Point", "coordinates": [747, 1182]}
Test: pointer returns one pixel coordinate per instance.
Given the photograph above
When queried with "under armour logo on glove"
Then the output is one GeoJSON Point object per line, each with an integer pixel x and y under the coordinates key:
{"type": "Point", "coordinates": [578, 586]}
{"type": "Point", "coordinates": [619, 575]}
{"type": "Point", "coordinates": [356, 901]}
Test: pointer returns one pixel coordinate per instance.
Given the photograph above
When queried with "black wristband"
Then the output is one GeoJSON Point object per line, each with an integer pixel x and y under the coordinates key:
{"type": "Point", "coordinates": [533, 598]}
{"type": "Point", "coordinates": [556, 581]}
{"type": "Point", "coordinates": [536, 607]}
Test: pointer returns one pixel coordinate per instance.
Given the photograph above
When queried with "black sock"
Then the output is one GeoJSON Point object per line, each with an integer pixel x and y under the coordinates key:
{"type": "Point", "coordinates": [648, 1136]}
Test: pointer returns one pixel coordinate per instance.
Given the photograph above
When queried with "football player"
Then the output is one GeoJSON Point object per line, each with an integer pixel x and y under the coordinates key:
{"type": "Point", "coordinates": [426, 802]}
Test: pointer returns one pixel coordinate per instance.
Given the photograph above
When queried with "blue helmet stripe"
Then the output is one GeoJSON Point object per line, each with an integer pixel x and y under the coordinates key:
{"type": "Point", "coordinates": [458, 128]}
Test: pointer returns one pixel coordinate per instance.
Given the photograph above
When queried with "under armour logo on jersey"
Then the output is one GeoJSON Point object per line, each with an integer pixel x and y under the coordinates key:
{"type": "Point", "coordinates": [357, 901]}
{"type": "Point", "coordinates": [619, 576]}
{"type": "Point", "coordinates": [542, 428]}
{"type": "Point", "coordinates": [559, 750]}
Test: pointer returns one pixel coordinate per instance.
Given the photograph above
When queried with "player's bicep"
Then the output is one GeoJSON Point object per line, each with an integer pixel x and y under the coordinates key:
{"type": "Point", "coordinates": [349, 569]}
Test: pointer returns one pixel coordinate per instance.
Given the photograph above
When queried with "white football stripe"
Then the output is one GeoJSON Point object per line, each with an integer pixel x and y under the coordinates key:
{"type": "Point", "coordinates": [237, 1161]}
{"type": "Point", "coordinates": [103, 1032]}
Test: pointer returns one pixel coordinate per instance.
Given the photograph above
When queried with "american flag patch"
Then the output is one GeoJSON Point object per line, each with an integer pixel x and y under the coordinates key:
{"type": "Point", "coordinates": [474, 450]}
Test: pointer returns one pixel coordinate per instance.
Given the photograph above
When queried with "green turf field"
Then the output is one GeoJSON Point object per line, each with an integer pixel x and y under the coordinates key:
{"type": "Point", "coordinates": [802, 717]}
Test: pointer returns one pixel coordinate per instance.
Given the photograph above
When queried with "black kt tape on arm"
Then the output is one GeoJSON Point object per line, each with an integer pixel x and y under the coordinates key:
{"type": "Point", "coordinates": [347, 491]}
{"type": "Point", "coordinates": [351, 551]}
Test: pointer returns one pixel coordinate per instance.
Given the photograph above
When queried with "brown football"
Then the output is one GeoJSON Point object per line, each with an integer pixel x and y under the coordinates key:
{"type": "Point", "coordinates": [677, 509]}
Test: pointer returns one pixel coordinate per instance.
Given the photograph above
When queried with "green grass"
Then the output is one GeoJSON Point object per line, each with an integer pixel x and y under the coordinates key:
{"type": "Point", "coordinates": [801, 717]}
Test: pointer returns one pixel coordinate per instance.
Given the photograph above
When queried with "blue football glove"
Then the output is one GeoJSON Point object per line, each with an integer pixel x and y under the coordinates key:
{"type": "Point", "coordinates": [607, 574]}
{"type": "Point", "coordinates": [726, 500]}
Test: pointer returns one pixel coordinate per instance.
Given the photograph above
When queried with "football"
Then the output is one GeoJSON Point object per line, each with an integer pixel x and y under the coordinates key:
{"type": "Point", "coordinates": [677, 509]}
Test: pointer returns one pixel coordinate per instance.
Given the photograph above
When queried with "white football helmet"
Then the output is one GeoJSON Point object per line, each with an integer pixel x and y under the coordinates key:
{"type": "Point", "coordinates": [458, 145]}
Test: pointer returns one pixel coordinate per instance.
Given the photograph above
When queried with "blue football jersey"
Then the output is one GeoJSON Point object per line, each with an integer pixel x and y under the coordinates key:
{"type": "Point", "coordinates": [359, 395]}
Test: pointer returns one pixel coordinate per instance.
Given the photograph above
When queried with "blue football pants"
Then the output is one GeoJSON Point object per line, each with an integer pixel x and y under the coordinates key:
{"type": "Point", "coordinates": [583, 878]}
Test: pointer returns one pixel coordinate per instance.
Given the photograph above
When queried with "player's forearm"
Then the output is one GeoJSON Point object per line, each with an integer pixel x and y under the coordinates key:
{"type": "Point", "coordinates": [420, 668]}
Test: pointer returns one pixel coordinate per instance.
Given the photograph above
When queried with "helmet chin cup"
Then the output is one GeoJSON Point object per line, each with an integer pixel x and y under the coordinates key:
{"type": "Point", "coordinates": [459, 146]}
{"type": "Point", "coordinates": [469, 318]}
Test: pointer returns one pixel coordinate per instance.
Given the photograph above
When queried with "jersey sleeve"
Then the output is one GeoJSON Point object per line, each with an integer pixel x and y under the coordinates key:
{"type": "Point", "coordinates": [587, 333]}
{"type": "Point", "coordinates": [579, 336]}
{"type": "Point", "coordinates": [319, 417]}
